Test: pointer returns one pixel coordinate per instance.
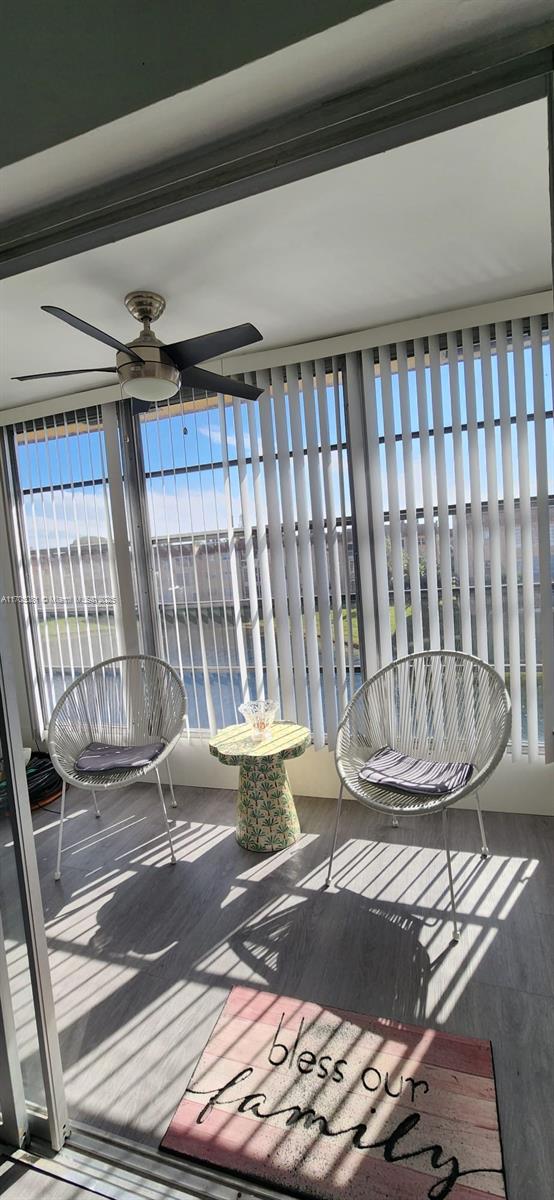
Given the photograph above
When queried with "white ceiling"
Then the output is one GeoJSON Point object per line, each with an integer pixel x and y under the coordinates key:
{"type": "Point", "coordinates": [457, 219]}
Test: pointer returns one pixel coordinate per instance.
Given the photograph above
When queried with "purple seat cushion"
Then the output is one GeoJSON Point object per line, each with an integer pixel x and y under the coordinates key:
{"type": "Point", "coordinates": [100, 756]}
{"type": "Point", "coordinates": [389, 768]}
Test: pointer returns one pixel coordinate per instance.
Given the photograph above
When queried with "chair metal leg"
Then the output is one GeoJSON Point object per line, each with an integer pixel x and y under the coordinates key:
{"type": "Point", "coordinates": [173, 800]}
{"type": "Point", "coordinates": [484, 847]}
{"type": "Point", "coordinates": [329, 879]}
{"type": "Point", "coordinates": [58, 871]}
{"type": "Point", "coordinates": [164, 810]}
{"type": "Point", "coordinates": [455, 927]}
{"type": "Point", "coordinates": [96, 808]}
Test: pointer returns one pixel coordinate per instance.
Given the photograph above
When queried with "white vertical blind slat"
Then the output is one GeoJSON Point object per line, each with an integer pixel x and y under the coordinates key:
{"type": "Point", "coordinates": [73, 668]}
{"type": "Point", "coordinates": [291, 547]}
{"type": "Point", "coordinates": [377, 529]}
{"type": "Point", "coordinates": [52, 589]}
{"type": "Point", "coordinates": [395, 532]}
{"type": "Point", "coordinates": [43, 638]}
{"type": "Point", "coordinates": [235, 589]}
{"type": "Point", "coordinates": [356, 434]}
{"type": "Point", "coordinates": [461, 540]}
{"type": "Point", "coordinates": [411, 507]}
{"type": "Point", "coordinates": [492, 501]}
{"type": "Point", "coordinates": [206, 676]}
{"type": "Point", "coordinates": [80, 588]}
{"type": "Point", "coordinates": [527, 570]}
{"type": "Point", "coordinates": [172, 481]}
{"type": "Point", "coordinates": [344, 558]}
{"type": "Point", "coordinates": [277, 561]}
{"type": "Point", "coordinates": [427, 490]}
{"type": "Point", "coordinates": [212, 719]}
{"type": "Point", "coordinates": [341, 699]}
{"type": "Point", "coordinates": [249, 549]}
{"type": "Point", "coordinates": [512, 598]}
{"type": "Point", "coordinates": [543, 524]}
{"type": "Point", "coordinates": [478, 552]}
{"type": "Point", "coordinates": [305, 557]}
{"type": "Point", "coordinates": [282, 533]}
{"type": "Point", "coordinates": [156, 560]}
{"type": "Point", "coordinates": [101, 519]}
{"type": "Point", "coordinates": [322, 588]}
{"type": "Point", "coordinates": [238, 625]}
{"type": "Point", "coordinates": [445, 551]}
{"type": "Point", "coordinates": [156, 537]}
{"type": "Point", "coordinates": [218, 651]}
{"type": "Point", "coordinates": [262, 380]}
{"type": "Point", "coordinates": [170, 565]}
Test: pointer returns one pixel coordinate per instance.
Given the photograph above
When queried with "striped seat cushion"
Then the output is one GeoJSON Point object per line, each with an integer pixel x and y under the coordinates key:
{"type": "Point", "coordinates": [99, 756]}
{"type": "Point", "coordinates": [389, 768]}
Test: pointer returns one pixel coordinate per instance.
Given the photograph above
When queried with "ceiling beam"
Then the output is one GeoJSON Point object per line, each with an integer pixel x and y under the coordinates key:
{"type": "Point", "coordinates": [66, 71]}
{"type": "Point", "coordinates": [354, 125]}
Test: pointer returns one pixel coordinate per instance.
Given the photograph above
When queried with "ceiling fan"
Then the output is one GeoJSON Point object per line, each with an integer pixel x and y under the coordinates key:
{"type": "Point", "coordinates": [147, 370]}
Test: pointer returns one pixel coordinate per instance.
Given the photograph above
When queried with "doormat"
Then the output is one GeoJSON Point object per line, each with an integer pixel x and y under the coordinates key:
{"type": "Point", "coordinates": [341, 1106]}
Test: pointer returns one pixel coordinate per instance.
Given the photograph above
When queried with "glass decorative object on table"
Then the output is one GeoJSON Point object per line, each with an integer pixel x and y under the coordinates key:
{"type": "Point", "coordinates": [260, 715]}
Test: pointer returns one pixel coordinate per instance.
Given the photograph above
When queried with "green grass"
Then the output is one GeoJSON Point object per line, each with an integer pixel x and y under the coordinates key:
{"type": "Point", "coordinates": [65, 627]}
{"type": "Point", "coordinates": [355, 634]}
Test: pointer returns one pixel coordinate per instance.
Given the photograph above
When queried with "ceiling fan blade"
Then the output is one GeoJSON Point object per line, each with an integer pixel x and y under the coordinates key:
{"type": "Point", "coordinates": [196, 377]}
{"type": "Point", "coordinates": [54, 374]}
{"type": "Point", "coordinates": [211, 345]}
{"type": "Point", "coordinates": [91, 330]}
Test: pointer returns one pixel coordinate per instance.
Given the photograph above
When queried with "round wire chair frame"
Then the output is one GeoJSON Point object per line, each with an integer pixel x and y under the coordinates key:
{"type": "Point", "coordinates": [159, 723]}
{"type": "Point", "coordinates": [387, 799]}
{"type": "Point", "coordinates": [363, 794]}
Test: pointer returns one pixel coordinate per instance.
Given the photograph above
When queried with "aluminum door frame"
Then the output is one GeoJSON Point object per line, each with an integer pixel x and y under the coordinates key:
{"type": "Point", "coordinates": [33, 919]}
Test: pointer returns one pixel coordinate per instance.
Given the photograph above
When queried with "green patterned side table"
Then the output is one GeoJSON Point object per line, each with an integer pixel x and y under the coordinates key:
{"type": "Point", "coordinates": [266, 815]}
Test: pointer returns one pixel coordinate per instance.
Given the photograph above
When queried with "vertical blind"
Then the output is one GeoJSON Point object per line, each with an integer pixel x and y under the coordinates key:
{"type": "Point", "coordinates": [252, 542]}
{"type": "Point", "coordinates": [64, 529]}
{"type": "Point", "coordinates": [411, 508]}
{"type": "Point", "coordinates": [453, 465]}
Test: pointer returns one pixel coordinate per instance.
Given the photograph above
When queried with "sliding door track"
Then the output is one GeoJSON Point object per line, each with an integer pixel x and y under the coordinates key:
{"type": "Point", "coordinates": [120, 1169]}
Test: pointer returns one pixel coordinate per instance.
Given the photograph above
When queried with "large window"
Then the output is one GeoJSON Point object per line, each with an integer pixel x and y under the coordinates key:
{"type": "Point", "coordinates": [397, 500]}
{"type": "Point", "coordinates": [456, 443]}
{"type": "Point", "coordinates": [67, 549]}
{"type": "Point", "coordinates": [251, 533]}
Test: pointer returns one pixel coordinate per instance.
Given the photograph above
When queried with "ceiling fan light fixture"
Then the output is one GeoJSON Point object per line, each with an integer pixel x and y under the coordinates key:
{"type": "Point", "coordinates": [151, 381]}
{"type": "Point", "coordinates": [152, 390]}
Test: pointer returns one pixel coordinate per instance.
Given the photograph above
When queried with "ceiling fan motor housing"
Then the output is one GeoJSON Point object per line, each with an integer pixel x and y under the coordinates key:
{"type": "Point", "coordinates": [155, 378]}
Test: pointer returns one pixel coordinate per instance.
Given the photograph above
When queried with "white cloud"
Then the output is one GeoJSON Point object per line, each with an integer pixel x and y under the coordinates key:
{"type": "Point", "coordinates": [215, 436]}
{"type": "Point", "coordinates": [182, 509]}
{"type": "Point", "coordinates": [58, 518]}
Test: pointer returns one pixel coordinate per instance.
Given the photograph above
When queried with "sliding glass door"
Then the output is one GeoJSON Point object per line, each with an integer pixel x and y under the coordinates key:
{"type": "Point", "coordinates": [32, 1098]}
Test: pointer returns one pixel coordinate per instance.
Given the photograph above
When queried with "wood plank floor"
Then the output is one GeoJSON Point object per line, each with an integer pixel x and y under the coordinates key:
{"type": "Point", "coordinates": [143, 953]}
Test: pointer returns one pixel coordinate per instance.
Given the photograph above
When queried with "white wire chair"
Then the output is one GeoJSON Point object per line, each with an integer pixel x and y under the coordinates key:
{"type": "Point", "coordinates": [131, 700]}
{"type": "Point", "coordinates": [438, 705]}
